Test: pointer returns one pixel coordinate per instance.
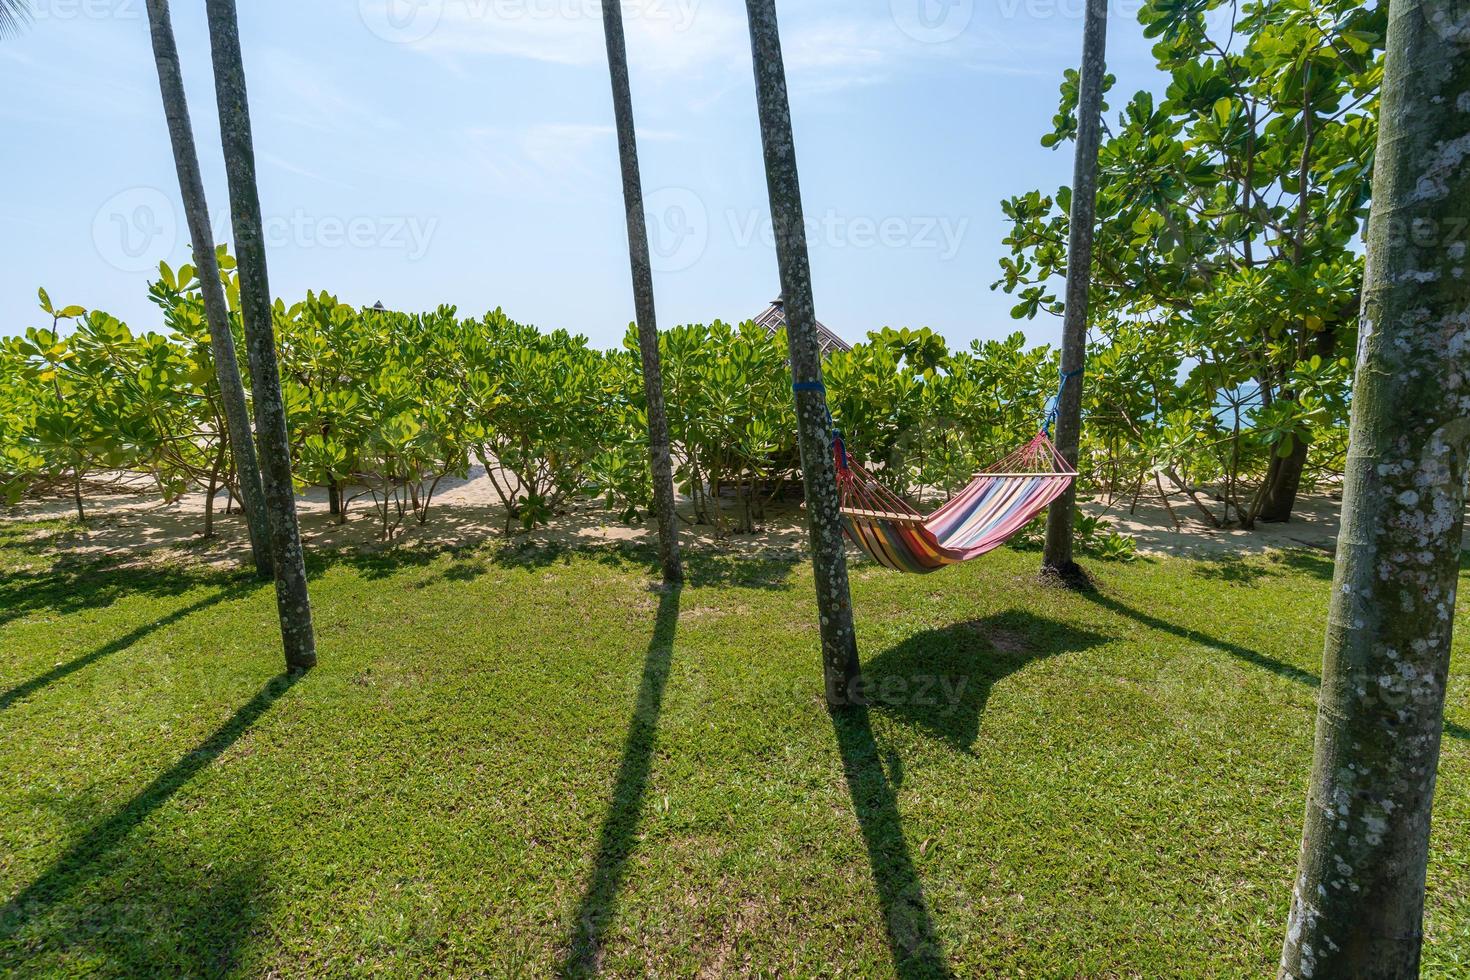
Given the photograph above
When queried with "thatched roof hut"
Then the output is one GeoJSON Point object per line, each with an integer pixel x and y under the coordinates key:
{"type": "Point", "coordinates": [774, 318]}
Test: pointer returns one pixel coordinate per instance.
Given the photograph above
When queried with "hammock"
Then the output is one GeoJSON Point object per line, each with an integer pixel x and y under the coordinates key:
{"type": "Point", "coordinates": [997, 503]}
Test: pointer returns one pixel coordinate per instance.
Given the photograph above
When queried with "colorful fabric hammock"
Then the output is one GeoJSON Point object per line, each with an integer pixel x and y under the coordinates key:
{"type": "Point", "coordinates": [999, 502]}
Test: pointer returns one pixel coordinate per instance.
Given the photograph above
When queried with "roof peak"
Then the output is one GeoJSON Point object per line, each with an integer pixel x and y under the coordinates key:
{"type": "Point", "coordinates": [773, 318]}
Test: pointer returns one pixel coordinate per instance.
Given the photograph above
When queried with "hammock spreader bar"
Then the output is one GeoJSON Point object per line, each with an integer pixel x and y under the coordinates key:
{"type": "Point", "coordinates": [992, 508]}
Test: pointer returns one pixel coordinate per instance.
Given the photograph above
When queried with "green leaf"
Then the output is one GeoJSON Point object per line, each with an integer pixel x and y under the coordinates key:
{"type": "Point", "coordinates": [1224, 109]}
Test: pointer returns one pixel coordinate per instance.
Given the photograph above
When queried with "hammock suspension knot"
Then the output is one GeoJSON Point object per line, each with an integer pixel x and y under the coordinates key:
{"type": "Point", "coordinates": [1054, 407]}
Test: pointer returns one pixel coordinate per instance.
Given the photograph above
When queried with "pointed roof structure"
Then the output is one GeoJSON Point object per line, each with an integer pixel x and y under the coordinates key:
{"type": "Point", "coordinates": [774, 318]}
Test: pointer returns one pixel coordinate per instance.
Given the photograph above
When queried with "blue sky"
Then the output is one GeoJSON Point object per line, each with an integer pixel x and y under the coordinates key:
{"type": "Point", "coordinates": [422, 152]}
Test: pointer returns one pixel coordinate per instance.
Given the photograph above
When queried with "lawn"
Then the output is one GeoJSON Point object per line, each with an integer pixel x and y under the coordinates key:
{"type": "Point", "coordinates": [519, 761]}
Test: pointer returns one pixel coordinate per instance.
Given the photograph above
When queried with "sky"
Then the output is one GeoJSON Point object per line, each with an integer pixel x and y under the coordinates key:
{"type": "Point", "coordinates": [462, 152]}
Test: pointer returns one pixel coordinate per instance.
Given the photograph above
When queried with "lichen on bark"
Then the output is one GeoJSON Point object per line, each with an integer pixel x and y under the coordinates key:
{"type": "Point", "coordinates": [292, 602]}
{"type": "Point", "coordinates": [216, 309]}
{"type": "Point", "coordinates": [1358, 899]}
{"type": "Point", "coordinates": [813, 422]}
{"type": "Point", "coordinates": [660, 455]}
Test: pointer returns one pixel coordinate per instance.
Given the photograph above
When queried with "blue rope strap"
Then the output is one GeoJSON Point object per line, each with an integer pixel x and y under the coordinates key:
{"type": "Point", "coordinates": [1054, 407]}
{"type": "Point", "coordinates": [819, 388]}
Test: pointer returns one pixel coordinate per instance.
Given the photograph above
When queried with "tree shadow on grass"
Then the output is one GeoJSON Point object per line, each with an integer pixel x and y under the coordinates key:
{"type": "Point", "coordinates": [1277, 667]}
{"type": "Point", "coordinates": [1315, 563]}
{"type": "Point", "coordinates": [202, 920]}
{"type": "Point", "coordinates": [620, 826]}
{"type": "Point", "coordinates": [912, 941]}
{"type": "Point", "coordinates": [1233, 569]}
{"type": "Point", "coordinates": [940, 680]}
{"type": "Point", "coordinates": [156, 910]}
{"type": "Point", "coordinates": [72, 584]}
{"type": "Point", "coordinates": [1250, 571]}
{"type": "Point", "coordinates": [702, 569]}
{"type": "Point", "coordinates": [24, 690]}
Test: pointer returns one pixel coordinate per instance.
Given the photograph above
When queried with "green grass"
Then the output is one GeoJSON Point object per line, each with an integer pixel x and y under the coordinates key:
{"type": "Point", "coordinates": [524, 762]}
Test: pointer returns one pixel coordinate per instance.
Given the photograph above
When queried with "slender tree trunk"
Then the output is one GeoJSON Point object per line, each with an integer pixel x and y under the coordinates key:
{"type": "Point", "coordinates": [214, 474]}
{"type": "Point", "coordinates": [1358, 900]}
{"type": "Point", "coordinates": [1284, 475]}
{"type": "Point", "coordinates": [813, 423]}
{"type": "Point", "coordinates": [1056, 558]}
{"type": "Point", "coordinates": [217, 311]}
{"type": "Point", "coordinates": [660, 454]}
{"type": "Point", "coordinates": [292, 600]}
{"type": "Point", "coordinates": [1283, 482]}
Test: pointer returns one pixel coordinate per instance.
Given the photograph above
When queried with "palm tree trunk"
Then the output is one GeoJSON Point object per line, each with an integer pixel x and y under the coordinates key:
{"type": "Point", "coordinates": [1358, 901]}
{"type": "Point", "coordinates": [292, 600]}
{"type": "Point", "coordinates": [659, 451]}
{"type": "Point", "coordinates": [813, 423]}
{"type": "Point", "coordinates": [1056, 558]}
{"type": "Point", "coordinates": [217, 311]}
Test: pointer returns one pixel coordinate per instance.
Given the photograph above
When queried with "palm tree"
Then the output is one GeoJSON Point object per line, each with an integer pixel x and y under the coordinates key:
{"type": "Point", "coordinates": [217, 312]}
{"type": "Point", "coordinates": [14, 15]}
{"type": "Point", "coordinates": [1357, 905]}
{"type": "Point", "coordinates": [292, 600]}
{"type": "Point", "coordinates": [659, 451]}
{"type": "Point", "coordinates": [813, 422]}
{"type": "Point", "coordinates": [1056, 559]}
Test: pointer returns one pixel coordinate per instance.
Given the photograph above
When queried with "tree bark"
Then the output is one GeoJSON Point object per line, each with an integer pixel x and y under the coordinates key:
{"type": "Point", "coordinates": [1358, 900]}
{"type": "Point", "coordinates": [292, 600]}
{"type": "Point", "coordinates": [216, 309]}
{"type": "Point", "coordinates": [813, 422]}
{"type": "Point", "coordinates": [1284, 474]}
{"type": "Point", "coordinates": [1283, 481]}
{"type": "Point", "coordinates": [1057, 555]}
{"type": "Point", "coordinates": [660, 454]}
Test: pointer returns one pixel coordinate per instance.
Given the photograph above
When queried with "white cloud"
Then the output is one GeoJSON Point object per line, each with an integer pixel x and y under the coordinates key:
{"type": "Point", "coordinates": [281, 163]}
{"type": "Point", "coordinates": [310, 98]}
{"type": "Point", "coordinates": [552, 160]}
{"type": "Point", "coordinates": [662, 35]}
{"type": "Point", "coordinates": [688, 42]}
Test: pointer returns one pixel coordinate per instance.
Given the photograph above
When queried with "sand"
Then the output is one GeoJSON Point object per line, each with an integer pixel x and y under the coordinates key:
{"type": "Point", "coordinates": [133, 521]}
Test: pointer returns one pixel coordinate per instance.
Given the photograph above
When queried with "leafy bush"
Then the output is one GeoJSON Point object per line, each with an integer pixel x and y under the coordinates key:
{"type": "Point", "coordinates": [538, 412]}
{"type": "Point", "coordinates": [386, 406]}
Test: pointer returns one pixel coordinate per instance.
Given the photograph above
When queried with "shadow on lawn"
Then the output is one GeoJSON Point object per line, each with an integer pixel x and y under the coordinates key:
{"type": "Point", "coordinates": [1250, 656]}
{"type": "Point", "coordinates": [24, 690]}
{"type": "Point", "coordinates": [111, 897]}
{"type": "Point", "coordinates": [620, 826]}
{"type": "Point", "coordinates": [940, 680]}
{"type": "Point", "coordinates": [916, 949]}
{"type": "Point", "coordinates": [74, 584]}
{"type": "Point", "coordinates": [702, 569]}
{"type": "Point", "coordinates": [1249, 571]}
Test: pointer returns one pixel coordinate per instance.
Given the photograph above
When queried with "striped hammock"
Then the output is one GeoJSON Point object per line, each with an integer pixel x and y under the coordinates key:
{"type": "Point", "coordinates": [999, 502]}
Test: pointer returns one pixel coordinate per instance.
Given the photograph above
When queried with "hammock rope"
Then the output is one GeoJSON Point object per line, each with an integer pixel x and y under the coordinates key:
{"type": "Point", "coordinates": [1054, 407]}
{"type": "Point", "coordinates": [1000, 501]}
